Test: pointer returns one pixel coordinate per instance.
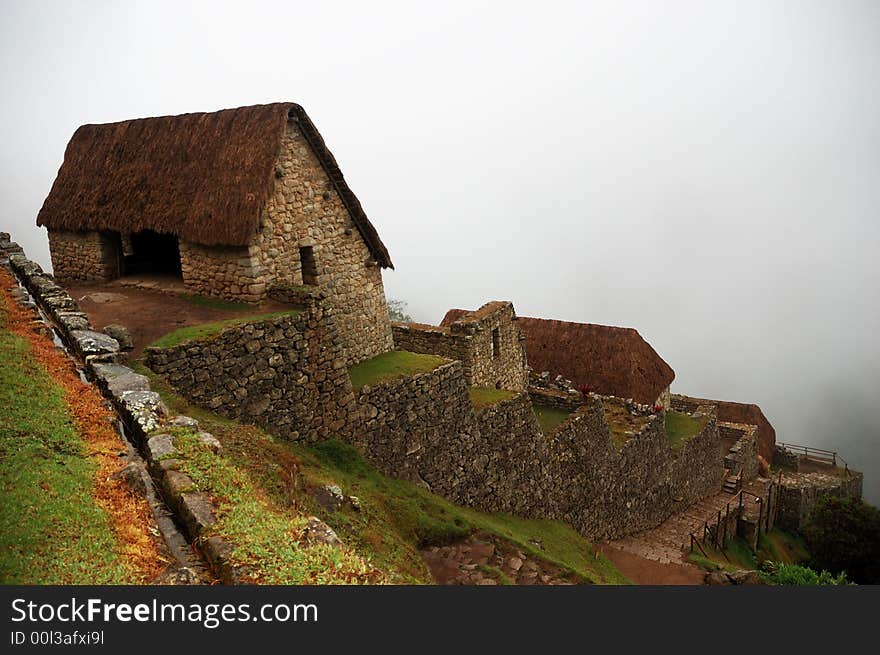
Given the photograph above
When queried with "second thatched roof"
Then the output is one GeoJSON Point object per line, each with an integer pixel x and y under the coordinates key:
{"type": "Point", "coordinates": [204, 177]}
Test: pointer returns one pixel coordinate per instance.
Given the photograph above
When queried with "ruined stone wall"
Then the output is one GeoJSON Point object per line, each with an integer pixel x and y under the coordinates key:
{"type": "Point", "coordinates": [799, 493]}
{"type": "Point", "coordinates": [82, 256]}
{"type": "Point", "coordinates": [284, 373]}
{"type": "Point", "coordinates": [430, 340]}
{"type": "Point", "coordinates": [487, 342]}
{"type": "Point", "coordinates": [743, 454]}
{"type": "Point", "coordinates": [632, 488]}
{"type": "Point", "coordinates": [558, 399]}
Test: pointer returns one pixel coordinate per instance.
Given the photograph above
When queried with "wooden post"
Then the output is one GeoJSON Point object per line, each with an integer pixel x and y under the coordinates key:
{"type": "Point", "coordinates": [760, 516]}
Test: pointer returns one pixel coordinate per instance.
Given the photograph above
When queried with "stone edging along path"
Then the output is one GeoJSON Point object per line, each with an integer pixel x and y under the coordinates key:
{"type": "Point", "coordinates": [140, 410]}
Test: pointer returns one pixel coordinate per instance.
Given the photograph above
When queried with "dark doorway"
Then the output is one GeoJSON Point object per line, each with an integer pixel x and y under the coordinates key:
{"type": "Point", "coordinates": [309, 266]}
{"type": "Point", "coordinates": [152, 252]}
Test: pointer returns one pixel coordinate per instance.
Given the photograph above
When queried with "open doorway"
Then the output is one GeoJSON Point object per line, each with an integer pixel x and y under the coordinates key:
{"type": "Point", "coordinates": [152, 253]}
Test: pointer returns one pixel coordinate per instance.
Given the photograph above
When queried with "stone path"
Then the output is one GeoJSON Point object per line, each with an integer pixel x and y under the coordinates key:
{"type": "Point", "coordinates": [669, 541]}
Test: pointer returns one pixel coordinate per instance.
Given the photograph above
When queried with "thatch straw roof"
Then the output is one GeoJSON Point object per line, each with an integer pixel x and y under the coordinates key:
{"type": "Point", "coordinates": [610, 360]}
{"type": "Point", "coordinates": [204, 177]}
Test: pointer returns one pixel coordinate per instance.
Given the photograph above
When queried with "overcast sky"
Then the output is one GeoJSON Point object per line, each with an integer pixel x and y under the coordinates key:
{"type": "Point", "coordinates": [706, 172]}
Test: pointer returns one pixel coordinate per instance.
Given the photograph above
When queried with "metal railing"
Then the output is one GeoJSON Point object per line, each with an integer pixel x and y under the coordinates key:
{"type": "Point", "coordinates": [830, 457]}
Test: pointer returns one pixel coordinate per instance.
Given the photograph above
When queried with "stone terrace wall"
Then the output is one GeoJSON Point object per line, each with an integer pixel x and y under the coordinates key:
{"type": "Point", "coordinates": [635, 487]}
{"type": "Point", "coordinates": [558, 399]}
{"type": "Point", "coordinates": [284, 373]}
{"type": "Point", "coordinates": [82, 256]}
{"type": "Point", "coordinates": [472, 340]}
{"type": "Point", "coordinates": [799, 493]}
{"type": "Point", "coordinates": [735, 413]}
{"type": "Point", "coordinates": [421, 429]}
{"type": "Point", "coordinates": [744, 451]}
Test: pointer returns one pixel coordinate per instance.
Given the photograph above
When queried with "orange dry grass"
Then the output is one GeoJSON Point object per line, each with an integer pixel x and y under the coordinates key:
{"type": "Point", "coordinates": [130, 515]}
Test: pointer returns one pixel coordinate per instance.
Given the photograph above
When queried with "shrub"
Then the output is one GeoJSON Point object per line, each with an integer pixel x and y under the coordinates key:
{"type": "Point", "coordinates": [794, 574]}
{"type": "Point", "coordinates": [844, 535]}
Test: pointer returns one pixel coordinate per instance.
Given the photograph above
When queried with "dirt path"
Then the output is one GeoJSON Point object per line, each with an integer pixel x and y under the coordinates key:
{"type": "Point", "coordinates": [649, 572]}
{"type": "Point", "coordinates": [150, 314]}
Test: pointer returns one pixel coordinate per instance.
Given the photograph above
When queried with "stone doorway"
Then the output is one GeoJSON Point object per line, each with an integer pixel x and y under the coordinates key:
{"type": "Point", "coordinates": [149, 253]}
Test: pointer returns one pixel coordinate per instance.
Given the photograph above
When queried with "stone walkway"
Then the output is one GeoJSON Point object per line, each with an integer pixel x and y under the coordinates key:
{"type": "Point", "coordinates": [669, 542]}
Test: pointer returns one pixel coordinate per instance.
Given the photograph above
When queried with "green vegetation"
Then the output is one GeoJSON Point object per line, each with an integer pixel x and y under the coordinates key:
{"type": "Point", "coordinates": [843, 535]}
{"type": "Point", "coordinates": [549, 418]}
{"type": "Point", "coordinates": [680, 427]}
{"type": "Point", "coordinates": [794, 574]}
{"type": "Point", "coordinates": [392, 366]}
{"type": "Point", "coordinates": [485, 396]}
{"type": "Point", "coordinates": [782, 547]}
{"type": "Point", "coordinates": [624, 425]}
{"type": "Point", "coordinates": [216, 303]}
{"type": "Point", "coordinates": [51, 529]}
{"type": "Point", "coordinates": [736, 556]}
{"type": "Point", "coordinates": [209, 330]}
{"type": "Point", "coordinates": [264, 487]}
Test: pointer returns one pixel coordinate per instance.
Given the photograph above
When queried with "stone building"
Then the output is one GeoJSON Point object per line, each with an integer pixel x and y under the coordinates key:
{"type": "Point", "coordinates": [487, 342]}
{"type": "Point", "coordinates": [232, 203]}
{"type": "Point", "coordinates": [611, 361]}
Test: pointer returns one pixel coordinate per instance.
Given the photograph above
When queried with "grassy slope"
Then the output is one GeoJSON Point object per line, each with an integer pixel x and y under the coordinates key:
{"type": "Point", "coordinates": [680, 427]}
{"type": "Point", "coordinates": [776, 546]}
{"type": "Point", "coordinates": [392, 366]}
{"type": "Point", "coordinates": [51, 529]}
{"type": "Point", "coordinates": [549, 417]}
{"type": "Point", "coordinates": [208, 330]}
{"type": "Point", "coordinates": [396, 518]}
{"type": "Point", "coordinates": [485, 396]}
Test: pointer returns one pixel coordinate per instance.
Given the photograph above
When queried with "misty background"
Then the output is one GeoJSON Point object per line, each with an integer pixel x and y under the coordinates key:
{"type": "Point", "coordinates": [706, 172]}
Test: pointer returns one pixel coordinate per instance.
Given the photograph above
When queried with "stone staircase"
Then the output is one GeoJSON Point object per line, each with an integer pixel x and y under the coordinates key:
{"type": "Point", "coordinates": [669, 541]}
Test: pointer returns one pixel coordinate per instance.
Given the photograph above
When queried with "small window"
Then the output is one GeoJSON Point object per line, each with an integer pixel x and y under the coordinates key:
{"type": "Point", "coordinates": [309, 267]}
{"type": "Point", "coordinates": [496, 342]}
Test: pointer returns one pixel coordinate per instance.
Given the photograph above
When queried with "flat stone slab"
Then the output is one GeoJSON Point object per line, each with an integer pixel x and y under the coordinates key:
{"type": "Point", "coordinates": [106, 372]}
{"type": "Point", "coordinates": [161, 445]}
{"type": "Point", "coordinates": [185, 422]}
{"type": "Point", "coordinates": [128, 382]}
{"type": "Point", "coordinates": [145, 408]}
{"type": "Point", "coordinates": [73, 320]}
{"type": "Point", "coordinates": [89, 342]}
{"type": "Point", "coordinates": [198, 511]}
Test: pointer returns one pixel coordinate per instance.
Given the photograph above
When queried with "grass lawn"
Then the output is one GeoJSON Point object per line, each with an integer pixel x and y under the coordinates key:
{"type": "Point", "coordinates": [217, 303]}
{"type": "Point", "coordinates": [264, 488]}
{"type": "Point", "coordinates": [52, 531]}
{"type": "Point", "coordinates": [680, 427]}
{"type": "Point", "coordinates": [209, 330]}
{"type": "Point", "coordinates": [392, 366]}
{"type": "Point", "coordinates": [550, 417]}
{"type": "Point", "coordinates": [486, 396]}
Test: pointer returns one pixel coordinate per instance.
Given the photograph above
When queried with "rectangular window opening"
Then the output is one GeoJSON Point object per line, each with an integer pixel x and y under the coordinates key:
{"type": "Point", "coordinates": [309, 267]}
{"type": "Point", "coordinates": [496, 342]}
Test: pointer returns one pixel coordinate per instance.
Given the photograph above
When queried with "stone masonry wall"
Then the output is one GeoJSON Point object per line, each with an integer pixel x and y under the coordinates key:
{"type": "Point", "coordinates": [221, 272]}
{"type": "Point", "coordinates": [487, 342]}
{"type": "Point", "coordinates": [82, 256]}
{"type": "Point", "coordinates": [743, 454]}
{"type": "Point", "coordinates": [284, 373]}
{"type": "Point", "coordinates": [304, 210]}
{"type": "Point", "coordinates": [799, 492]}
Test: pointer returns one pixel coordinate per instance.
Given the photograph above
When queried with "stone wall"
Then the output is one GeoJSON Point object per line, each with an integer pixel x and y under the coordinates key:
{"type": "Point", "coordinates": [285, 373]}
{"type": "Point", "coordinates": [799, 493]}
{"type": "Point", "coordinates": [487, 342]}
{"type": "Point", "coordinates": [743, 454]}
{"type": "Point", "coordinates": [558, 399]}
{"type": "Point", "coordinates": [222, 272]}
{"type": "Point", "coordinates": [82, 256]}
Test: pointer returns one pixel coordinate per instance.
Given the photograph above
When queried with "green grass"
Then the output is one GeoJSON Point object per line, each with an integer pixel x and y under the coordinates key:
{"type": "Point", "coordinates": [396, 518]}
{"type": "Point", "coordinates": [51, 529]}
{"type": "Point", "coordinates": [485, 396]}
{"type": "Point", "coordinates": [783, 547]}
{"type": "Point", "coordinates": [209, 330]}
{"type": "Point", "coordinates": [680, 427]}
{"type": "Point", "coordinates": [550, 417]}
{"type": "Point", "coordinates": [739, 557]}
{"type": "Point", "coordinates": [216, 303]}
{"type": "Point", "coordinates": [392, 366]}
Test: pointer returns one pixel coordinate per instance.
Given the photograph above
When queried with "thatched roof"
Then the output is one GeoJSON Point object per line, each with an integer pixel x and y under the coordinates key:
{"type": "Point", "coordinates": [610, 360]}
{"type": "Point", "coordinates": [204, 177]}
